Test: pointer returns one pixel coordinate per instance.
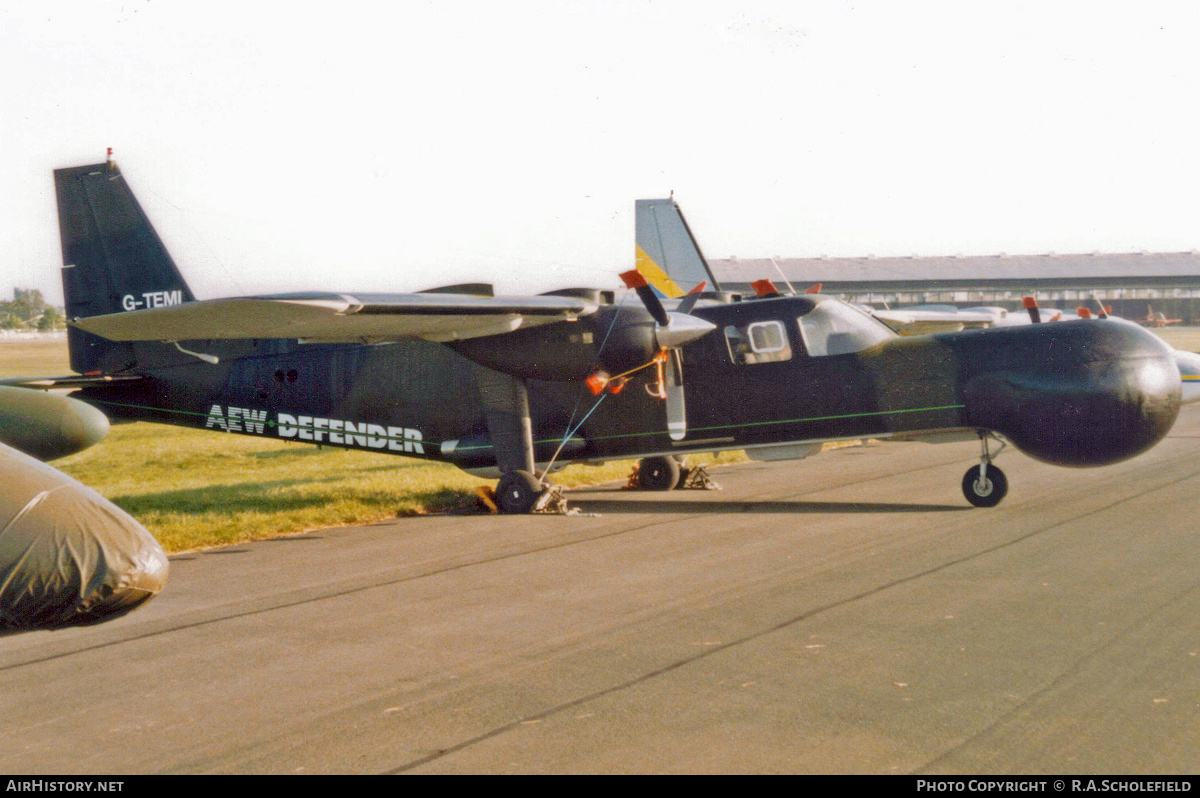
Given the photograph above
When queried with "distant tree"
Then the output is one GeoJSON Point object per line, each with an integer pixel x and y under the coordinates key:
{"type": "Point", "coordinates": [52, 319]}
{"type": "Point", "coordinates": [28, 310]}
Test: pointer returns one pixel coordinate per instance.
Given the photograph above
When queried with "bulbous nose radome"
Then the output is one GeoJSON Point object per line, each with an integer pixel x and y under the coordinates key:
{"type": "Point", "coordinates": [1092, 402]}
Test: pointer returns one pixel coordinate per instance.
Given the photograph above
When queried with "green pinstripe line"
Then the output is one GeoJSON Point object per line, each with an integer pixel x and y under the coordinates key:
{"type": "Point", "coordinates": [830, 418]}
{"type": "Point", "coordinates": [751, 424]}
{"type": "Point", "coordinates": [594, 438]}
{"type": "Point", "coordinates": [147, 407]}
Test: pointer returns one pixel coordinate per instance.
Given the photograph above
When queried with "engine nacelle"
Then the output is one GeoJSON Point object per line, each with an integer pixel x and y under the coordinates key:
{"type": "Point", "coordinates": [569, 350]}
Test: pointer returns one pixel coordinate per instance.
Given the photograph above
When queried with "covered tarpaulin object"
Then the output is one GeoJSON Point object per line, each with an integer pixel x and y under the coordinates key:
{"type": "Point", "coordinates": [68, 556]}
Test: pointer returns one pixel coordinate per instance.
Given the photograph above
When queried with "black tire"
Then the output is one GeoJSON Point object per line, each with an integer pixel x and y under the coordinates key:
{"type": "Point", "coordinates": [658, 473]}
{"type": "Point", "coordinates": [988, 495]}
{"type": "Point", "coordinates": [517, 492]}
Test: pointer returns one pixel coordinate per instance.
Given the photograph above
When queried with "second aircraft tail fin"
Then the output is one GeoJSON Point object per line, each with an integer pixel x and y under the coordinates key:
{"type": "Point", "coordinates": [667, 253]}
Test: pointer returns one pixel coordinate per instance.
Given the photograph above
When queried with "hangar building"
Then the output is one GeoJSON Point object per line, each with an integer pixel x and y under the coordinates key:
{"type": "Point", "coordinates": [1132, 282]}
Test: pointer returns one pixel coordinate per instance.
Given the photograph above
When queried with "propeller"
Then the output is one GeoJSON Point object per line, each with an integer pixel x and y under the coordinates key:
{"type": "Point", "coordinates": [672, 329]}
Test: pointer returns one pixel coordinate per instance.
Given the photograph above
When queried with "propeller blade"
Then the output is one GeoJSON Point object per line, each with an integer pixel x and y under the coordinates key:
{"type": "Point", "coordinates": [764, 288]}
{"type": "Point", "coordinates": [1031, 305]}
{"type": "Point", "coordinates": [634, 279]}
{"type": "Point", "coordinates": [686, 304]}
{"type": "Point", "coordinates": [671, 331]}
{"type": "Point", "coordinates": [676, 407]}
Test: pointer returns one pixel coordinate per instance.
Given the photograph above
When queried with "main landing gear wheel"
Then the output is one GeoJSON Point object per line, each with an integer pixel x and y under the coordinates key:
{"type": "Point", "coordinates": [658, 473]}
{"type": "Point", "coordinates": [518, 492]}
{"type": "Point", "coordinates": [986, 490]}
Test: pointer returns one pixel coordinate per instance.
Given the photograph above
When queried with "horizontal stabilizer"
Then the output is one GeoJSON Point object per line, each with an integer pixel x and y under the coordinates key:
{"type": "Point", "coordinates": [67, 381]}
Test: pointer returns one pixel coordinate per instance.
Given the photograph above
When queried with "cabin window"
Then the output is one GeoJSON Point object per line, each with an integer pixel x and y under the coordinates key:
{"type": "Point", "coordinates": [835, 328]}
{"type": "Point", "coordinates": [758, 342]}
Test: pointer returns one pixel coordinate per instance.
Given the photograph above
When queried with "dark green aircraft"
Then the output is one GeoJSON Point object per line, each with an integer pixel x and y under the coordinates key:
{"type": "Point", "coordinates": [515, 385]}
{"type": "Point", "coordinates": [68, 556]}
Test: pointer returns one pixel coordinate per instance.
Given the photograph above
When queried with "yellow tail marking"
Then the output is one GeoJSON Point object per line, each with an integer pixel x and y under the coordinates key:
{"type": "Point", "coordinates": [656, 276]}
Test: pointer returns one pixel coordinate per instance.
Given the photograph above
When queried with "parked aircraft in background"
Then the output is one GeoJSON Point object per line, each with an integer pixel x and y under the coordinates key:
{"type": "Point", "coordinates": [1188, 363]}
{"type": "Point", "coordinates": [925, 319]}
{"type": "Point", "coordinates": [1157, 319]}
{"type": "Point", "coordinates": [928, 319]}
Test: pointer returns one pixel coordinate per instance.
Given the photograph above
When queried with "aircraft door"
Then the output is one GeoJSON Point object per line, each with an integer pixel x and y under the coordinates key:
{"type": "Point", "coordinates": [738, 378]}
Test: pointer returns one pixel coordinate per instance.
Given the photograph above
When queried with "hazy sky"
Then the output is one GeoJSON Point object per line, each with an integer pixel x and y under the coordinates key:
{"type": "Point", "coordinates": [403, 145]}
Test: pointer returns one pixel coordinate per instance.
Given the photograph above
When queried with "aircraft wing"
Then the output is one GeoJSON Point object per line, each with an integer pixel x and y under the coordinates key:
{"type": "Point", "coordinates": [922, 322]}
{"type": "Point", "coordinates": [333, 318]}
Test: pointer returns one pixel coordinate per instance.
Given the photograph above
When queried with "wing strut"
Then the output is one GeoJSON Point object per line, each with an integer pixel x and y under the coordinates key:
{"type": "Point", "coordinates": [506, 408]}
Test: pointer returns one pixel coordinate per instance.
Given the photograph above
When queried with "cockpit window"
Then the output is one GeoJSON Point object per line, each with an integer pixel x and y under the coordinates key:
{"type": "Point", "coordinates": [759, 342]}
{"type": "Point", "coordinates": [835, 328]}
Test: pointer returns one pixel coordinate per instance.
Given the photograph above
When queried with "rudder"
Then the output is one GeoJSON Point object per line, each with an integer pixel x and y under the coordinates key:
{"type": "Point", "coordinates": [113, 260]}
{"type": "Point", "coordinates": [667, 253]}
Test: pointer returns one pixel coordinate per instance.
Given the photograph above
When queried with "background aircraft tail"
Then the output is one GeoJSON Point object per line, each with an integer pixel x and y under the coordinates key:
{"type": "Point", "coordinates": [113, 260]}
{"type": "Point", "coordinates": [667, 253]}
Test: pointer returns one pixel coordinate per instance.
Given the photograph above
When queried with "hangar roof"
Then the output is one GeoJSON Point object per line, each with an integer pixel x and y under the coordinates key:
{"type": "Point", "coordinates": [944, 269]}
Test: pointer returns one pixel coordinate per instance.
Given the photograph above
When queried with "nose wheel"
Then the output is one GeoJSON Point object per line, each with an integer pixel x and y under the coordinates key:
{"type": "Point", "coordinates": [985, 485]}
{"type": "Point", "coordinates": [984, 489]}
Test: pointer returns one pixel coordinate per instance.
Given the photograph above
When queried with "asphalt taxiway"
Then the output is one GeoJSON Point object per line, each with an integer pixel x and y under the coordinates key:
{"type": "Point", "coordinates": [846, 613]}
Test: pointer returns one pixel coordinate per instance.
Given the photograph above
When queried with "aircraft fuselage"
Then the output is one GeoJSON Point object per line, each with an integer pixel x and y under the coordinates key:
{"type": "Point", "coordinates": [1076, 393]}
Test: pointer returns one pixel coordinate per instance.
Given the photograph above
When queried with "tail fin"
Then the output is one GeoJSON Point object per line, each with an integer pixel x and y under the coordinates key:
{"type": "Point", "coordinates": [667, 253]}
{"type": "Point", "coordinates": [113, 261]}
